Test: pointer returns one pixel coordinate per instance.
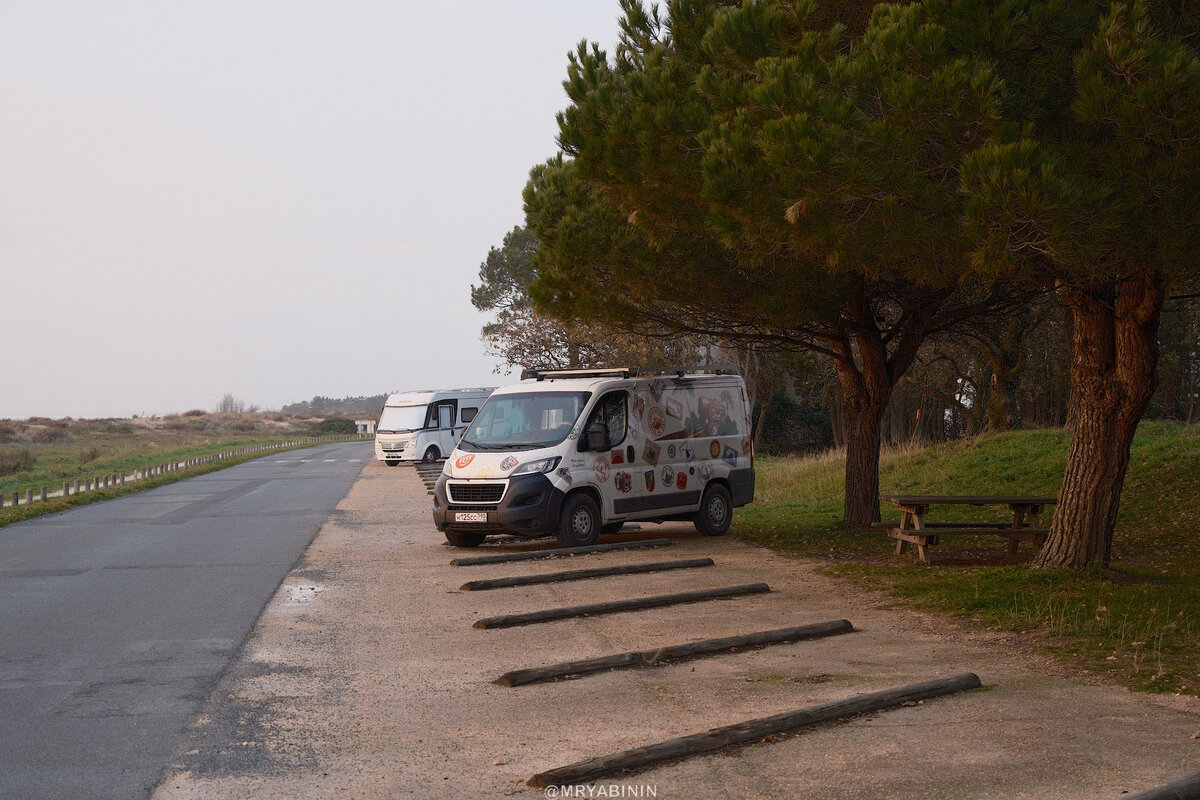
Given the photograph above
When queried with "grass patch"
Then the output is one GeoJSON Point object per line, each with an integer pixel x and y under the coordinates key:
{"type": "Point", "coordinates": [1138, 622]}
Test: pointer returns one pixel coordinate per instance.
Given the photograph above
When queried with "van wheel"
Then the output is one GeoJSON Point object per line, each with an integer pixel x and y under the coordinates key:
{"type": "Point", "coordinates": [391, 462]}
{"type": "Point", "coordinates": [431, 455]}
{"type": "Point", "coordinates": [612, 527]}
{"type": "Point", "coordinates": [579, 525]}
{"type": "Point", "coordinates": [716, 511]}
{"type": "Point", "coordinates": [464, 539]}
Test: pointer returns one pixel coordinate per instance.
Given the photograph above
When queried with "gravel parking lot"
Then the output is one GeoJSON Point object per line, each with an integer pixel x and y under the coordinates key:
{"type": "Point", "coordinates": [366, 678]}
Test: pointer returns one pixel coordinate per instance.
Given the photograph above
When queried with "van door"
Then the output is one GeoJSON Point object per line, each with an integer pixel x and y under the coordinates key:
{"type": "Point", "coordinates": [615, 471]}
{"type": "Point", "coordinates": [445, 426]}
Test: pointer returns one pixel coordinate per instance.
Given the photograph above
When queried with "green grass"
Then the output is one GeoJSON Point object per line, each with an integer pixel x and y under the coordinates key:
{"type": "Point", "coordinates": [70, 462]}
{"type": "Point", "coordinates": [1138, 622]}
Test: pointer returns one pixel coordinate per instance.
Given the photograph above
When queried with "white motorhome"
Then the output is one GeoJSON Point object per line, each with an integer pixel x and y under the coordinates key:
{"type": "Point", "coordinates": [578, 453]}
{"type": "Point", "coordinates": [424, 426]}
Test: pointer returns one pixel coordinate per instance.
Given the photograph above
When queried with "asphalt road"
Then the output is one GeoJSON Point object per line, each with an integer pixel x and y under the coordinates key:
{"type": "Point", "coordinates": [118, 619]}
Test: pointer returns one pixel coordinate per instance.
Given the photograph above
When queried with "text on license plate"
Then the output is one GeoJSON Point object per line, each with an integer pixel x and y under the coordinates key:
{"type": "Point", "coordinates": [470, 516]}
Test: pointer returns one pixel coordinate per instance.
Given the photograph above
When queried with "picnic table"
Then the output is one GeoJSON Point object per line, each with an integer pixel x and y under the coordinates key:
{"type": "Point", "coordinates": [914, 528]}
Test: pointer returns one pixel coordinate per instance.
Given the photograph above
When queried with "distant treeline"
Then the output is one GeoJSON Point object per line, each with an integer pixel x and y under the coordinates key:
{"type": "Point", "coordinates": [343, 406]}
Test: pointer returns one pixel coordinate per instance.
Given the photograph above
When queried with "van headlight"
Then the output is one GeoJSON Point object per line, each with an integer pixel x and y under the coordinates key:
{"type": "Point", "coordinates": [537, 467]}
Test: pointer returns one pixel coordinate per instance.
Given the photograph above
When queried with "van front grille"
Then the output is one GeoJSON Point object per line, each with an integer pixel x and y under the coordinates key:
{"type": "Point", "coordinates": [475, 492]}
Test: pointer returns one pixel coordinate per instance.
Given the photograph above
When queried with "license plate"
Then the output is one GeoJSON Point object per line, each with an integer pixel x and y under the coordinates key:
{"type": "Point", "coordinates": [470, 516]}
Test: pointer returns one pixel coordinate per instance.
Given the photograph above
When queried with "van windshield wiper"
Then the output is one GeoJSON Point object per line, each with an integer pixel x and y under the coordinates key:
{"type": "Point", "coordinates": [509, 446]}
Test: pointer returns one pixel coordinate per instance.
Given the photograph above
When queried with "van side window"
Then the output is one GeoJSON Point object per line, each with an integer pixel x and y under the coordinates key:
{"type": "Point", "coordinates": [468, 414]}
{"type": "Point", "coordinates": [611, 410]}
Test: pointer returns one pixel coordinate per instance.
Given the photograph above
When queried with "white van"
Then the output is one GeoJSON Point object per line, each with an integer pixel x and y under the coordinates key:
{"type": "Point", "coordinates": [424, 426]}
{"type": "Point", "coordinates": [578, 453]}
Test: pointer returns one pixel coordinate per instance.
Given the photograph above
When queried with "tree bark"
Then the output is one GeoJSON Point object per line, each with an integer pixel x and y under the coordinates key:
{"type": "Point", "coordinates": [1004, 354]}
{"type": "Point", "coordinates": [863, 416]}
{"type": "Point", "coordinates": [868, 369]}
{"type": "Point", "coordinates": [866, 387]}
{"type": "Point", "coordinates": [760, 425]}
{"type": "Point", "coordinates": [1114, 335]}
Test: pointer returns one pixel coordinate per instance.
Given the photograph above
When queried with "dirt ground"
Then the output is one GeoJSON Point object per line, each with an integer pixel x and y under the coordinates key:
{"type": "Point", "coordinates": [365, 678]}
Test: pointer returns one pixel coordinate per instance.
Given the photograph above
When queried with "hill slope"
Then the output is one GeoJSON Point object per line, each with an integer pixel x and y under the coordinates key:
{"type": "Point", "coordinates": [1139, 621]}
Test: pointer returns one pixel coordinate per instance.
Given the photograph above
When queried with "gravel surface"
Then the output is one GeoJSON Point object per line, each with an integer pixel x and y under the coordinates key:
{"type": "Point", "coordinates": [364, 678]}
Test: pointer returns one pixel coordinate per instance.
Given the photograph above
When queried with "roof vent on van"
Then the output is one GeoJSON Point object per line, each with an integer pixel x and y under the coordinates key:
{"type": "Point", "coordinates": [624, 372]}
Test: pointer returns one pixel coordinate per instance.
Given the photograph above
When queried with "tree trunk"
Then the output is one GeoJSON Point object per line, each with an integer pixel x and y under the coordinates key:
{"type": "Point", "coordinates": [863, 417]}
{"type": "Point", "coordinates": [1114, 353]}
{"type": "Point", "coordinates": [866, 385]}
{"type": "Point", "coordinates": [837, 422]}
{"type": "Point", "coordinates": [1004, 354]}
{"type": "Point", "coordinates": [760, 425]}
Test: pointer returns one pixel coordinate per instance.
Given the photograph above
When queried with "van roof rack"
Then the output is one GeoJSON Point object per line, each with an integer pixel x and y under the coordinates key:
{"type": "Point", "coordinates": [624, 372]}
{"type": "Point", "coordinates": [543, 374]}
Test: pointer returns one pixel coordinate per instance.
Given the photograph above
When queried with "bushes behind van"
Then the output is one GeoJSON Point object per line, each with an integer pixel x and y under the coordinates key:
{"type": "Point", "coordinates": [793, 427]}
{"type": "Point", "coordinates": [335, 426]}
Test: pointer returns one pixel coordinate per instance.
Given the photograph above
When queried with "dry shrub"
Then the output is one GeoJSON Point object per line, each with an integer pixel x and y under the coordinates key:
{"type": "Point", "coordinates": [48, 435]}
{"type": "Point", "coordinates": [14, 460]}
{"type": "Point", "coordinates": [195, 412]}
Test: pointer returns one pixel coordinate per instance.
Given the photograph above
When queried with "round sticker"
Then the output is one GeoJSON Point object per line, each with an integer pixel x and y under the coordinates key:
{"type": "Point", "coordinates": [508, 463]}
{"type": "Point", "coordinates": [463, 461]}
{"type": "Point", "coordinates": [715, 449]}
{"type": "Point", "coordinates": [656, 420]}
{"type": "Point", "coordinates": [600, 468]}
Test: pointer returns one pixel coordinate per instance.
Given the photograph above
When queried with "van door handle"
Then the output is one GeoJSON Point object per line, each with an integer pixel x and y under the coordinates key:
{"type": "Point", "coordinates": [631, 453]}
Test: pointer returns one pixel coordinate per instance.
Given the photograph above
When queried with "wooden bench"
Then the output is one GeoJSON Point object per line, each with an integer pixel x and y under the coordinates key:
{"type": "Point", "coordinates": [913, 528]}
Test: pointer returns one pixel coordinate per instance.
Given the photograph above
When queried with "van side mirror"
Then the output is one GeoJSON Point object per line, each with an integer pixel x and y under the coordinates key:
{"type": "Point", "coordinates": [597, 436]}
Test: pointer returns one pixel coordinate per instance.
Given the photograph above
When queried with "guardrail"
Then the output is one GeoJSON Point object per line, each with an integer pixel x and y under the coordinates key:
{"type": "Point", "coordinates": [98, 482]}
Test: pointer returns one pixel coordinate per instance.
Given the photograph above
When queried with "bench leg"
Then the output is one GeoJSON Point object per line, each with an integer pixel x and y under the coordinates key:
{"type": "Point", "coordinates": [901, 546]}
{"type": "Point", "coordinates": [1012, 548]}
{"type": "Point", "coordinates": [923, 552]}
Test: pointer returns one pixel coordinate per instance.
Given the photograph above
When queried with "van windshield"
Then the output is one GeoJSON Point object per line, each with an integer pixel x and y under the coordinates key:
{"type": "Point", "coordinates": [524, 421]}
{"type": "Point", "coordinates": [397, 419]}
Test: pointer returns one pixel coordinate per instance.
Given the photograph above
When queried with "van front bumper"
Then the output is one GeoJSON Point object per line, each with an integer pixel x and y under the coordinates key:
{"type": "Point", "coordinates": [530, 506]}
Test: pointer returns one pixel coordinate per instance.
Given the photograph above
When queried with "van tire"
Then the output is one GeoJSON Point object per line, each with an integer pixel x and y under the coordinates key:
{"type": "Point", "coordinates": [716, 511]}
{"type": "Point", "coordinates": [459, 539]}
{"type": "Point", "coordinates": [579, 523]}
{"type": "Point", "coordinates": [431, 455]}
{"type": "Point", "coordinates": [391, 462]}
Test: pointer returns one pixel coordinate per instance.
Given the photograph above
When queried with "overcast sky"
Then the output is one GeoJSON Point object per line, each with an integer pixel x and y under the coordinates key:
{"type": "Point", "coordinates": [270, 198]}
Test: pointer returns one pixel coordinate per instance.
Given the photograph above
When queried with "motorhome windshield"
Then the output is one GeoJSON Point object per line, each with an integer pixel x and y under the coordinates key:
{"type": "Point", "coordinates": [524, 421]}
{"type": "Point", "coordinates": [396, 419]}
